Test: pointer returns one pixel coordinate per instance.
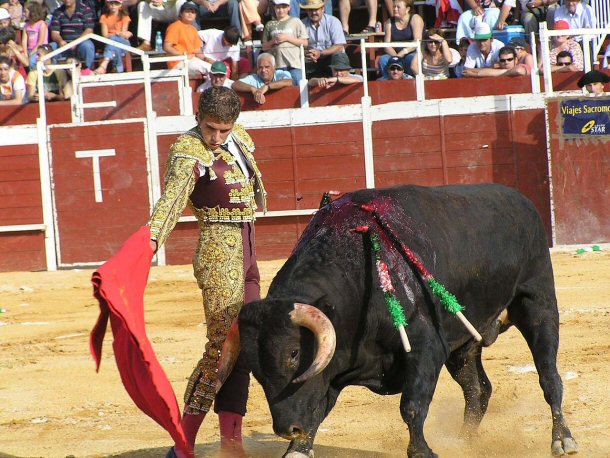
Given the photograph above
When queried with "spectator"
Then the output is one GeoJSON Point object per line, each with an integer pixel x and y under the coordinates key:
{"type": "Point", "coordinates": [115, 24]}
{"type": "Point", "coordinates": [70, 21]}
{"type": "Point", "coordinates": [594, 82]}
{"type": "Point", "coordinates": [341, 69]}
{"type": "Point", "coordinates": [249, 16]}
{"type": "Point", "coordinates": [12, 84]}
{"type": "Point", "coordinates": [221, 8]}
{"type": "Point", "coordinates": [222, 45]}
{"type": "Point", "coordinates": [506, 66]}
{"type": "Point", "coordinates": [217, 77]}
{"type": "Point", "coordinates": [182, 37]}
{"type": "Point", "coordinates": [15, 10]}
{"type": "Point", "coordinates": [35, 31]}
{"type": "Point", "coordinates": [79, 68]}
{"type": "Point", "coordinates": [404, 25]}
{"type": "Point", "coordinates": [484, 51]}
{"type": "Point", "coordinates": [157, 10]}
{"type": "Point", "coordinates": [283, 37]}
{"type": "Point", "coordinates": [395, 70]}
{"type": "Point", "coordinates": [325, 38]}
{"type": "Point", "coordinates": [577, 15]}
{"type": "Point", "coordinates": [458, 70]}
{"type": "Point", "coordinates": [565, 43]}
{"type": "Point", "coordinates": [606, 58]}
{"type": "Point", "coordinates": [345, 8]}
{"type": "Point", "coordinates": [10, 49]}
{"type": "Point", "coordinates": [565, 62]}
{"type": "Point", "coordinates": [523, 56]}
{"type": "Point", "coordinates": [267, 77]}
{"type": "Point", "coordinates": [533, 12]}
{"type": "Point", "coordinates": [436, 56]}
{"type": "Point", "coordinates": [484, 11]}
{"type": "Point", "coordinates": [56, 83]}
{"type": "Point", "coordinates": [5, 18]}
{"type": "Point", "coordinates": [448, 13]}
{"type": "Point", "coordinates": [295, 7]}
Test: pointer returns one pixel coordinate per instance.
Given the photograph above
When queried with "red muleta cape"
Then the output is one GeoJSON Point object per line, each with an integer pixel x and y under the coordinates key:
{"type": "Point", "coordinates": [119, 287]}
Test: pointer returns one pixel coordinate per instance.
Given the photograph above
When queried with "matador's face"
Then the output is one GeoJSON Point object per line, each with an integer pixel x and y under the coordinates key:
{"type": "Point", "coordinates": [214, 133]}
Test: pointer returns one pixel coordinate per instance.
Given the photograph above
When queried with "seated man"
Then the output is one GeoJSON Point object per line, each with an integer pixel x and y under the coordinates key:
{"type": "Point", "coordinates": [70, 21]}
{"type": "Point", "coordinates": [265, 79]}
{"type": "Point", "coordinates": [222, 45]}
{"type": "Point", "coordinates": [484, 11]}
{"type": "Point", "coordinates": [326, 38]}
{"type": "Point", "coordinates": [577, 15]}
{"type": "Point", "coordinates": [483, 53]}
{"type": "Point", "coordinates": [593, 82]}
{"type": "Point", "coordinates": [345, 8]}
{"type": "Point", "coordinates": [565, 63]}
{"type": "Point", "coordinates": [341, 68]}
{"type": "Point", "coordinates": [506, 66]}
{"type": "Point", "coordinates": [217, 77]}
{"type": "Point", "coordinates": [395, 70]}
{"type": "Point", "coordinates": [12, 84]}
{"type": "Point", "coordinates": [181, 38]}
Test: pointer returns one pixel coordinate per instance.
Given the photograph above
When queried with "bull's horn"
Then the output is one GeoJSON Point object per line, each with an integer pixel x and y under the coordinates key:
{"type": "Point", "coordinates": [228, 355]}
{"type": "Point", "coordinates": [318, 323]}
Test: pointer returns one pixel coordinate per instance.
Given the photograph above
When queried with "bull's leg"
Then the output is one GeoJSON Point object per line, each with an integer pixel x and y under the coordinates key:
{"type": "Point", "coordinates": [535, 314]}
{"type": "Point", "coordinates": [466, 368]}
{"type": "Point", "coordinates": [422, 375]}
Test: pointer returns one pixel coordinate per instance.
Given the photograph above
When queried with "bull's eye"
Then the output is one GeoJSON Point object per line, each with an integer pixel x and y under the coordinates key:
{"type": "Point", "coordinates": [294, 359]}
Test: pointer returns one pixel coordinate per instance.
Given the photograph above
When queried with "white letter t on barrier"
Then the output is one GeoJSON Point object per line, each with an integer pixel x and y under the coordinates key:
{"type": "Point", "coordinates": [95, 154]}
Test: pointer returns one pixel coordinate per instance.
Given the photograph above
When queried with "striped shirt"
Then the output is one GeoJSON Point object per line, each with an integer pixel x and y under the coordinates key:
{"type": "Point", "coordinates": [72, 27]}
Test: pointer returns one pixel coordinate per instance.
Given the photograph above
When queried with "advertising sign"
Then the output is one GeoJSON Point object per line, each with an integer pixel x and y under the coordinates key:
{"type": "Point", "coordinates": [585, 117]}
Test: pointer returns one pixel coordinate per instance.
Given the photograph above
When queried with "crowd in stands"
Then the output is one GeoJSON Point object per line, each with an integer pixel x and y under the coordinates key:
{"type": "Point", "coordinates": [29, 29]}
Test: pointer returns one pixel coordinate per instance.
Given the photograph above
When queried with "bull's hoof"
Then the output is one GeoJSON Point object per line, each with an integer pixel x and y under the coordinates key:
{"type": "Point", "coordinates": [295, 454]}
{"type": "Point", "coordinates": [567, 446]}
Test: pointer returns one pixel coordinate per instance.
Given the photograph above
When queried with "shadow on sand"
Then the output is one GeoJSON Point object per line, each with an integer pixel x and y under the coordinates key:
{"type": "Point", "coordinates": [257, 445]}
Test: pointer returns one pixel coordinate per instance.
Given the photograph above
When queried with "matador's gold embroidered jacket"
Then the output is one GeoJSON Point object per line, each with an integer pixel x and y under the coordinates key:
{"type": "Point", "coordinates": [230, 197]}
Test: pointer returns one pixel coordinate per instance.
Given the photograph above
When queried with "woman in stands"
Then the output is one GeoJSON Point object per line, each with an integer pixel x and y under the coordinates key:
{"type": "Point", "coordinates": [564, 43]}
{"type": "Point", "coordinates": [436, 56]}
{"type": "Point", "coordinates": [404, 25]}
{"type": "Point", "coordinates": [115, 22]}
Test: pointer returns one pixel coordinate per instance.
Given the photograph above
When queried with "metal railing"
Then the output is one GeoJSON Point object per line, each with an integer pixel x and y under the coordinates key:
{"type": "Point", "coordinates": [601, 11]}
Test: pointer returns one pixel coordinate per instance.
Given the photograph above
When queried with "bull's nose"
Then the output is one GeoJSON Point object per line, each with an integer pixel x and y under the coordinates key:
{"type": "Point", "coordinates": [293, 431]}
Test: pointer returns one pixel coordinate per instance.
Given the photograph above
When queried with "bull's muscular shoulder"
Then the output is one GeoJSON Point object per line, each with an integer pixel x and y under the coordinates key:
{"type": "Point", "coordinates": [190, 145]}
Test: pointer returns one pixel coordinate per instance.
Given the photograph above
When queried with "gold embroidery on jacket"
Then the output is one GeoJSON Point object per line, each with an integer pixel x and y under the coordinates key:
{"type": "Point", "coordinates": [218, 265]}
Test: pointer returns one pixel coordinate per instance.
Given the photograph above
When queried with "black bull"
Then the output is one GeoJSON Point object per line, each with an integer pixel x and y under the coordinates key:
{"type": "Point", "coordinates": [325, 323]}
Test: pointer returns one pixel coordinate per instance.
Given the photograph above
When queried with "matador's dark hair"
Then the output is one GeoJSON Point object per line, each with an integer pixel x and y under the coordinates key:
{"type": "Point", "coordinates": [221, 104]}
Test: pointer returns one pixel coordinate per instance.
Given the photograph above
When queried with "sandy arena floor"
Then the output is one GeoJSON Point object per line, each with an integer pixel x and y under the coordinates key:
{"type": "Point", "coordinates": [53, 404]}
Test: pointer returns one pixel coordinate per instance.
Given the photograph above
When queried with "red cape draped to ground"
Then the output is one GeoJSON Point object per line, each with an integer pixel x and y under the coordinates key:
{"type": "Point", "coordinates": [119, 287]}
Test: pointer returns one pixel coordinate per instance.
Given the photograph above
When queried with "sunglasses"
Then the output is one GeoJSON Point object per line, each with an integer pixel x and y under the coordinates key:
{"type": "Point", "coordinates": [564, 63]}
{"type": "Point", "coordinates": [510, 59]}
{"type": "Point", "coordinates": [395, 68]}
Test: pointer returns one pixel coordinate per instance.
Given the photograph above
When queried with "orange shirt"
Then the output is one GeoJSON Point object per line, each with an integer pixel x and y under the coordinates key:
{"type": "Point", "coordinates": [184, 38]}
{"type": "Point", "coordinates": [114, 24]}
